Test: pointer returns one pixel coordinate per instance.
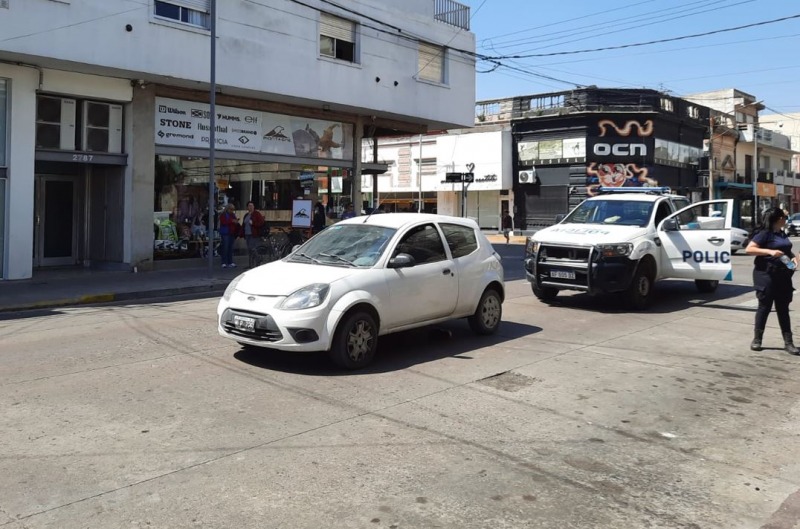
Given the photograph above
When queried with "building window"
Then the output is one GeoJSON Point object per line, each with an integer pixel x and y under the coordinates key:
{"type": "Point", "coordinates": [693, 111]}
{"type": "Point", "coordinates": [431, 62]}
{"type": "Point", "coordinates": [192, 12]}
{"type": "Point", "coordinates": [787, 165]}
{"type": "Point", "coordinates": [55, 123]}
{"type": "Point", "coordinates": [666, 104]}
{"type": "Point", "coordinates": [766, 162]}
{"type": "Point", "coordinates": [337, 38]}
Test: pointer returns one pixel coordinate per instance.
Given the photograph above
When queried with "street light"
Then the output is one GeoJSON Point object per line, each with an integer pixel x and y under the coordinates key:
{"type": "Point", "coordinates": [212, 136]}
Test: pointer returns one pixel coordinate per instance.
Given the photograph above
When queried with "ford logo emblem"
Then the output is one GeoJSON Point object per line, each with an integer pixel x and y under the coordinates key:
{"type": "Point", "coordinates": [250, 298]}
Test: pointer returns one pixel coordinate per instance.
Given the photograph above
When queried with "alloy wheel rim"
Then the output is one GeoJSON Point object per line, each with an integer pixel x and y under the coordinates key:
{"type": "Point", "coordinates": [359, 340]}
{"type": "Point", "coordinates": [644, 286]}
{"type": "Point", "coordinates": [491, 311]}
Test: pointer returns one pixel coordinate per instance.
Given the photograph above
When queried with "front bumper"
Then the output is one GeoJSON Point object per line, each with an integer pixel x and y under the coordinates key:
{"type": "Point", "coordinates": [274, 328]}
{"type": "Point", "coordinates": [579, 268]}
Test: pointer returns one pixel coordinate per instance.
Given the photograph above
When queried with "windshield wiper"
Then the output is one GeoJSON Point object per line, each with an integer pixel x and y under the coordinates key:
{"type": "Point", "coordinates": [308, 257]}
{"type": "Point", "coordinates": [337, 257]}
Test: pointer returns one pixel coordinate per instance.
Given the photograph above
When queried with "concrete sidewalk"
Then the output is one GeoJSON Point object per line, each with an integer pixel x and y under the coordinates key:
{"type": "Point", "coordinates": [58, 288]}
{"type": "Point", "coordinates": [77, 286]}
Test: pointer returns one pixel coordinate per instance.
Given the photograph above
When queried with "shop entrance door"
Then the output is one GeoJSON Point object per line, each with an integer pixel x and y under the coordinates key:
{"type": "Point", "coordinates": [54, 221]}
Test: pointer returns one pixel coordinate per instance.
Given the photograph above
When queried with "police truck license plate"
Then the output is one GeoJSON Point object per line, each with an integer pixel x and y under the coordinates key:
{"type": "Point", "coordinates": [562, 274]}
{"type": "Point", "coordinates": [243, 323]}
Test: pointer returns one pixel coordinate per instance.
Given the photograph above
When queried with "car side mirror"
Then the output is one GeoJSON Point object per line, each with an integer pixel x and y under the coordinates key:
{"type": "Point", "coordinates": [670, 225]}
{"type": "Point", "coordinates": [295, 247]}
{"type": "Point", "coordinates": [401, 260]}
{"type": "Point", "coordinates": [560, 217]}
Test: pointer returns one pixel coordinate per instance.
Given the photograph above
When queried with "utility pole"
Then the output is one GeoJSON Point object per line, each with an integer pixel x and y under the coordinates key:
{"type": "Point", "coordinates": [755, 176]}
{"type": "Point", "coordinates": [711, 158]}
{"type": "Point", "coordinates": [212, 140]}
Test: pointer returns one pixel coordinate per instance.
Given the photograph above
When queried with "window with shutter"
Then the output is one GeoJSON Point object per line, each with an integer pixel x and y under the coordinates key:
{"type": "Point", "coordinates": [191, 12]}
{"type": "Point", "coordinates": [431, 62]}
{"type": "Point", "coordinates": [337, 38]}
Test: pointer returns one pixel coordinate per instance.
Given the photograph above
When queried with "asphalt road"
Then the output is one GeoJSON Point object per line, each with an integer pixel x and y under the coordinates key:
{"type": "Point", "coordinates": [577, 415]}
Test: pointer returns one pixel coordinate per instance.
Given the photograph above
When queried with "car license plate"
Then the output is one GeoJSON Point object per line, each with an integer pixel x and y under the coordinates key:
{"type": "Point", "coordinates": [243, 323]}
{"type": "Point", "coordinates": [562, 274]}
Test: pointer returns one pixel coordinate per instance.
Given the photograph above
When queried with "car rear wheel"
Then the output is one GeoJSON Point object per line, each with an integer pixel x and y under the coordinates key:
{"type": "Point", "coordinates": [355, 341]}
{"type": "Point", "coordinates": [489, 313]}
{"type": "Point", "coordinates": [706, 285]}
{"type": "Point", "coordinates": [545, 294]}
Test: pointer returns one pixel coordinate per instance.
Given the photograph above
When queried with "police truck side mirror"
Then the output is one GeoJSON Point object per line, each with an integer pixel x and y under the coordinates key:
{"type": "Point", "coordinates": [560, 217]}
{"type": "Point", "coordinates": [670, 225]}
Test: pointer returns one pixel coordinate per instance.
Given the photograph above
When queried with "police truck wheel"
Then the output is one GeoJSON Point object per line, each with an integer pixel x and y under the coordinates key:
{"type": "Point", "coordinates": [545, 294]}
{"type": "Point", "coordinates": [640, 292]}
{"type": "Point", "coordinates": [706, 286]}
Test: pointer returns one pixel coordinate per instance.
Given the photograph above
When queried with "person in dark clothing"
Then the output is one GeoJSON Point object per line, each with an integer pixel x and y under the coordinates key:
{"type": "Point", "coordinates": [228, 231]}
{"type": "Point", "coordinates": [772, 278]}
{"type": "Point", "coordinates": [508, 225]}
{"type": "Point", "coordinates": [318, 219]}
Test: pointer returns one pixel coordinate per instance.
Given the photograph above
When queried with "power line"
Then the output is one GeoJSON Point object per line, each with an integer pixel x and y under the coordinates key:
{"type": "Point", "coordinates": [636, 25]}
{"type": "Point", "coordinates": [648, 43]}
{"type": "Point", "coordinates": [635, 19]}
{"type": "Point", "coordinates": [66, 26]}
{"type": "Point", "coordinates": [472, 15]}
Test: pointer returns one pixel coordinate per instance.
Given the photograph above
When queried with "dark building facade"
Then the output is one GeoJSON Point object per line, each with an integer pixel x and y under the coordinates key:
{"type": "Point", "coordinates": [567, 144]}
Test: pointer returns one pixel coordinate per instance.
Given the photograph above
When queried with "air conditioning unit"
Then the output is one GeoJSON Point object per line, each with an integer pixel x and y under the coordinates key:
{"type": "Point", "coordinates": [55, 123]}
{"type": "Point", "coordinates": [526, 177]}
{"type": "Point", "coordinates": [102, 127]}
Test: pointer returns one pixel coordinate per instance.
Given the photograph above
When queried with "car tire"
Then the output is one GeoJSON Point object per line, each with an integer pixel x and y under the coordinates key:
{"type": "Point", "coordinates": [640, 291]}
{"type": "Point", "coordinates": [546, 294]}
{"type": "Point", "coordinates": [706, 286]}
{"type": "Point", "coordinates": [355, 341]}
{"type": "Point", "coordinates": [489, 313]}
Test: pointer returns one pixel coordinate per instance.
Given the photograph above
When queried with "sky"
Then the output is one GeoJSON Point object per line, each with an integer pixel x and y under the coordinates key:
{"type": "Point", "coordinates": [763, 61]}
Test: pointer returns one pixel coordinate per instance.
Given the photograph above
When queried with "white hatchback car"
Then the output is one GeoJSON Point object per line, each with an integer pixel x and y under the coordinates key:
{"type": "Point", "coordinates": [364, 277]}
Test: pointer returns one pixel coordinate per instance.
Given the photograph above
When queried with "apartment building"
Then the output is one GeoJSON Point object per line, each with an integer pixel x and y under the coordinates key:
{"type": "Point", "coordinates": [105, 117]}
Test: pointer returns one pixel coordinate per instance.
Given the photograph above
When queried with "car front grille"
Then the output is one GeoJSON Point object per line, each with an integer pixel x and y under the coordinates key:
{"type": "Point", "coordinates": [265, 329]}
{"type": "Point", "coordinates": [554, 262]}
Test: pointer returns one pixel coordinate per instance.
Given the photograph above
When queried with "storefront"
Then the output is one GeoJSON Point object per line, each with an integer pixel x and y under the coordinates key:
{"type": "Point", "coordinates": [268, 158]}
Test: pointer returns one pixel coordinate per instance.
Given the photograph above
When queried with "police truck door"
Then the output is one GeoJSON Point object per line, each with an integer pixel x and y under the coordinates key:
{"type": "Point", "coordinates": [696, 241]}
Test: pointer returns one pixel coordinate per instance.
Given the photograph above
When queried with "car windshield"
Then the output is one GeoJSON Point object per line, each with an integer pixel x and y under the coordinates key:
{"type": "Point", "coordinates": [618, 212]}
{"type": "Point", "coordinates": [351, 245]}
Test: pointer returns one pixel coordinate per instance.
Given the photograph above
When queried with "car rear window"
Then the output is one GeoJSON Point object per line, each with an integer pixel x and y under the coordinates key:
{"type": "Point", "coordinates": [461, 239]}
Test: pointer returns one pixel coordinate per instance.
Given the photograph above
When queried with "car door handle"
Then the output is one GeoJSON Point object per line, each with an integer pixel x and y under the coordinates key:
{"type": "Point", "coordinates": [446, 271]}
{"type": "Point", "coordinates": [716, 240]}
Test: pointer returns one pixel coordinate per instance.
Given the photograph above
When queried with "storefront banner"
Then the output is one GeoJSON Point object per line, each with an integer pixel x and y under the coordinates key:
{"type": "Point", "coordinates": [528, 151]}
{"type": "Point", "coordinates": [574, 147]}
{"type": "Point", "coordinates": [766, 190]}
{"type": "Point", "coordinates": [551, 150]}
{"type": "Point", "coordinates": [188, 124]}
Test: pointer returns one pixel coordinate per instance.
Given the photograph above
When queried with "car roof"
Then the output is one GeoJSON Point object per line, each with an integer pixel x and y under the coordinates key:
{"type": "Point", "coordinates": [400, 220]}
{"type": "Point", "coordinates": [629, 197]}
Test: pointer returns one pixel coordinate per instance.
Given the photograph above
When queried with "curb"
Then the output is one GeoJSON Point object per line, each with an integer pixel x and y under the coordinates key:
{"type": "Point", "coordinates": [110, 297]}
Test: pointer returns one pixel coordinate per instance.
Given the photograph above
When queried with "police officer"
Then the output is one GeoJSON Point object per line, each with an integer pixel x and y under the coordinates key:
{"type": "Point", "coordinates": [772, 278]}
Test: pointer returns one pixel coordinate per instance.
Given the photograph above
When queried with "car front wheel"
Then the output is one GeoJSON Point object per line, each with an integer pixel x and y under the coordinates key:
{"type": "Point", "coordinates": [640, 292]}
{"type": "Point", "coordinates": [489, 313]}
{"type": "Point", "coordinates": [545, 294]}
{"type": "Point", "coordinates": [355, 341]}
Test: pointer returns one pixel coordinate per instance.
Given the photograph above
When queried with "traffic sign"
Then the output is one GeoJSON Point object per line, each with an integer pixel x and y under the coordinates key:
{"type": "Point", "coordinates": [469, 177]}
{"type": "Point", "coordinates": [452, 177]}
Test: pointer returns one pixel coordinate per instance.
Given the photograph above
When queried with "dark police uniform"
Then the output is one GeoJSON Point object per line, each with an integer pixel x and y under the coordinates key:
{"type": "Point", "coordinates": [772, 280]}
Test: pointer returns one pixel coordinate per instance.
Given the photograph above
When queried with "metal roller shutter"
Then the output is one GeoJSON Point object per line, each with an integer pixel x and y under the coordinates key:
{"type": "Point", "coordinates": [198, 5]}
{"type": "Point", "coordinates": [337, 28]}
{"type": "Point", "coordinates": [431, 62]}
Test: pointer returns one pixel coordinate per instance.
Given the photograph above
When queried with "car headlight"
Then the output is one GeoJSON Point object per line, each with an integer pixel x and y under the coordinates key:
{"type": "Point", "coordinates": [231, 287]}
{"type": "Point", "coordinates": [614, 250]}
{"type": "Point", "coordinates": [532, 247]}
{"type": "Point", "coordinates": [307, 297]}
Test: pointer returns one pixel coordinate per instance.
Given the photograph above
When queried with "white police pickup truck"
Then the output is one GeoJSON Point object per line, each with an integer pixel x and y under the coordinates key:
{"type": "Point", "coordinates": [624, 239]}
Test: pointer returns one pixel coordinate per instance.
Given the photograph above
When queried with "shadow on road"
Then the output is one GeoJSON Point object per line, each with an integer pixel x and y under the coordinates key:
{"type": "Point", "coordinates": [395, 351]}
{"type": "Point", "coordinates": [512, 255]}
{"type": "Point", "coordinates": [669, 296]}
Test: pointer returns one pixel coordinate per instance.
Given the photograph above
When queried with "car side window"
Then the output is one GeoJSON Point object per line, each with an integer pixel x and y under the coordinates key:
{"type": "Point", "coordinates": [423, 243]}
{"type": "Point", "coordinates": [461, 239]}
{"type": "Point", "coordinates": [662, 212]}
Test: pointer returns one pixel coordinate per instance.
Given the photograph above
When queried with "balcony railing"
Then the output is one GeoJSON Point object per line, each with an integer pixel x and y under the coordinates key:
{"type": "Point", "coordinates": [452, 13]}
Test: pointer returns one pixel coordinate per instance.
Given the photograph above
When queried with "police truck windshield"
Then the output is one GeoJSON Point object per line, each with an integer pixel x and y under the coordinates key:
{"type": "Point", "coordinates": [617, 212]}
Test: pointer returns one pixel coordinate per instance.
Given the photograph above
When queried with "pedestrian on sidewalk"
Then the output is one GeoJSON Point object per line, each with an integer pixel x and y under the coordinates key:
{"type": "Point", "coordinates": [228, 231]}
{"type": "Point", "coordinates": [772, 278]}
{"type": "Point", "coordinates": [508, 225]}
{"type": "Point", "coordinates": [253, 227]}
